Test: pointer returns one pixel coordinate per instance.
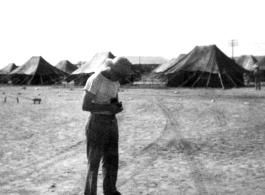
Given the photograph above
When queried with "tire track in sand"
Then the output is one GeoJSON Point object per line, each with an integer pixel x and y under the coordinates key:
{"type": "Point", "coordinates": [171, 130]}
{"type": "Point", "coordinates": [34, 167]}
{"type": "Point", "coordinates": [149, 158]}
{"type": "Point", "coordinates": [180, 142]}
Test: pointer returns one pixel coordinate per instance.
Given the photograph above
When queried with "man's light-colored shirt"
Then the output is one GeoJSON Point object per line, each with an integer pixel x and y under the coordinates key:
{"type": "Point", "coordinates": [103, 89]}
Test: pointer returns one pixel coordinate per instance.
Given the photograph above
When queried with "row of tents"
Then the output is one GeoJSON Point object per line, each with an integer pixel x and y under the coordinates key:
{"type": "Point", "coordinates": [38, 71]}
{"type": "Point", "coordinates": [204, 66]}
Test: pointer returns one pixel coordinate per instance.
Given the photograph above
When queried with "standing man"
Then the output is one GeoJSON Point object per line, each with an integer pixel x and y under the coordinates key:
{"type": "Point", "coordinates": [101, 100]}
{"type": "Point", "coordinates": [257, 74]}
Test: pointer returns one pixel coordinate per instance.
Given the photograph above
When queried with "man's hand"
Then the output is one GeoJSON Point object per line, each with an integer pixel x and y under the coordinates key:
{"type": "Point", "coordinates": [88, 105]}
{"type": "Point", "coordinates": [115, 108]}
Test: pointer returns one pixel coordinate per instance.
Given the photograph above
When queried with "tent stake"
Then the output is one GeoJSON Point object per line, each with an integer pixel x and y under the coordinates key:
{"type": "Point", "coordinates": [29, 82]}
{"type": "Point", "coordinates": [197, 79]}
{"type": "Point", "coordinates": [221, 80]}
{"type": "Point", "coordinates": [41, 80]}
{"type": "Point", "coordinates": [238, 80]}
{"type": "Point", "coordinates": [188, 79]}
{"type": "Point", "coordinates": [208, 81]}
{"type": "Point", "coordinates": [231, 79]}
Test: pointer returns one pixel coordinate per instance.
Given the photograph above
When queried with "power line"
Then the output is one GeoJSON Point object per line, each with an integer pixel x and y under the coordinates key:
{"type": "Point", "coordinates": [233, 43]}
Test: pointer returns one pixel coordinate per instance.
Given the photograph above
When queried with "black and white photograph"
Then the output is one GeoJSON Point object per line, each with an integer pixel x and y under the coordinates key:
{"type": "Point", "coordinates": [132, 97]}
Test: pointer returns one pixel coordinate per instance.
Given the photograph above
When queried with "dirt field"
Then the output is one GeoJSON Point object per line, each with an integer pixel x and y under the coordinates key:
{"type": "Point", "coordinates": [172, 141]}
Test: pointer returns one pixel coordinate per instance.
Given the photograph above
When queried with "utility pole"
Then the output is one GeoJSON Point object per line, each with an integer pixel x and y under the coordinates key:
{"type": "Point", "coordinates": [233, 43]}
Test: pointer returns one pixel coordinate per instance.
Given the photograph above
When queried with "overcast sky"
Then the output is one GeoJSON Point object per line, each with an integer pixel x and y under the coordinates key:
{"type": "Point", "coordinates": [76, 30]}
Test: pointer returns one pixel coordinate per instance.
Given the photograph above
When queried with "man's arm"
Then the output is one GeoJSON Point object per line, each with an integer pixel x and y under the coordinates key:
{"type": "Point", "coordinates": [89, 105]}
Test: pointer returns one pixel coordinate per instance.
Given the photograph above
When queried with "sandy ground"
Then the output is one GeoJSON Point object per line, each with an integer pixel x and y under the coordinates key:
{"type": "Point", "coordinates": [172, 141]}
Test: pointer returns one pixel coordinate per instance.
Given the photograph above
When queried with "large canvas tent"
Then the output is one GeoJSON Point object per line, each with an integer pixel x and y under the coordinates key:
{"type": "Point", "coordinates": [205, 66]}
{"type": "Point", "coordinates": [261, 63]}
{"type": "Point", "coordinates": [66, 67]}
{"type": "Point", "coordinates": [9, 68]}
{"type": "Point", "coordinates": [37, 71]}
{"type": "Point", "coordinates": [3, 77]}
{"type": "Point", "coordinates": [259, 57]}
{"type": "Point", "coordinates": [247, 61]}
{"type": "Point", "coordinates": [81, 75]}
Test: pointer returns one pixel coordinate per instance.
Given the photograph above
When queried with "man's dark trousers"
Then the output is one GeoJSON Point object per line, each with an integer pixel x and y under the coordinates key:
{"type": "Point", "coordinates": [102, 143]}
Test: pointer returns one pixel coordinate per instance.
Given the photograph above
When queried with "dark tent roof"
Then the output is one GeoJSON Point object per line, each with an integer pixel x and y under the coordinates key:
{"type": "Point", "coordinates": [247, 61]}
{"type": "Point", "coordinates": [205, 66]}
{"type": "Point", "coordinates": [10, 67]}
{"type": "Point", "coordinates": [66, 66]}
{"type": "Point", "coordinates": [168, 64]}
{"type": "Point", "coordinates": [261, 63]}
{"type": "Point", "coordinates": [37, 71]}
